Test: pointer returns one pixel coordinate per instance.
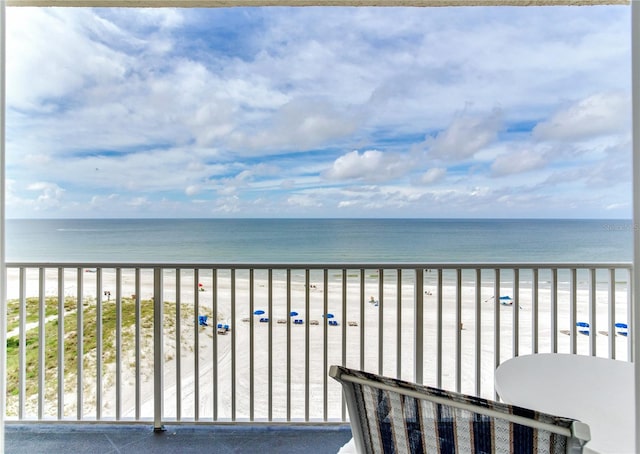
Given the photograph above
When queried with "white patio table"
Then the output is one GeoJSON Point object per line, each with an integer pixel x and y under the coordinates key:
{"type": "Point", "coordinates": [596, 391]}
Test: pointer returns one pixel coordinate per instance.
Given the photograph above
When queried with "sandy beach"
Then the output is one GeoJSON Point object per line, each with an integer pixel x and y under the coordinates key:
{"type": "Point", "coordinates": [355, 320]}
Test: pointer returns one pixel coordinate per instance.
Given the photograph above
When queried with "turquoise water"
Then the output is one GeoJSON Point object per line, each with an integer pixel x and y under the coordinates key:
{"type": "Point", "coordinates": [319, 240]}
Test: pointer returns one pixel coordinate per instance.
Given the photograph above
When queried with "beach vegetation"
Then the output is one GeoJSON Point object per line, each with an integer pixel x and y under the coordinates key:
{"type": "Point", "coordinates": [128, 310]}
{"type": "Point", "coordinates": [48, 356]}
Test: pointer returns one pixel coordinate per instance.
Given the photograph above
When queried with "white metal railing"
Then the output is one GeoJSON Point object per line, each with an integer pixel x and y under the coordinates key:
{"type": "Point", "coordinates": [124, 341]}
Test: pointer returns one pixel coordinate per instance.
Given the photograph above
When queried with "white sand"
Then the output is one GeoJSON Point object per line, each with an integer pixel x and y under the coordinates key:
{"type": "Point", "coordinates": [297, 351]}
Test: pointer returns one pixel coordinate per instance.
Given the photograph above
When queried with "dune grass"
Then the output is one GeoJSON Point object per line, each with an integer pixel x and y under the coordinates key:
{"type": "Point", "coordinates": [89, 320]}
{"type": "Point", "coordinates": [70, 342]}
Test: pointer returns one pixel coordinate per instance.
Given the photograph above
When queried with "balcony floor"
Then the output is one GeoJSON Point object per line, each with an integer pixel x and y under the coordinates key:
{"type": "Point", "coordinates": [105, 438]}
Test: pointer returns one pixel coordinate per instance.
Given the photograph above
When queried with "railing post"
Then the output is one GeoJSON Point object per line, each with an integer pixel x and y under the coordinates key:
{"type": "Point", "coordinates": [343, 283]}
{"type": "Point", "coordinates": [23, 343]}
{"type": "Point", "coordinates": [362, 330]}
{"type": "Point", "coordinates": [118, 307]}
{"type": "Point", "coordinates": [289, 318]}
{"type": "Point", "coordinates": [573, 309]}
{"type": "Point", "coordinates": [478, 331]}
{"type": "Point", "coordinates": [61, 343]}
{"type": "Point", "coordinates": [41, 341]}
{"type": "Point", "coordinates": [418, 366]}
{"type": "Point", "coordinates": [138, 343]}
{"type": "Point", "coordinates": [80, 343]}
{"type": "Point", "coordinates": [516, 313]}
{"type": "Point", "coordinates": [99, 343]}
{"type": "Point", "coordinates": [534, 310]}
{"type": "Point", "coordinates": [398, 322]}
{"type": "Point", "coordinates": [630, 312]}
{"type": "Point", "coordinates": [307, 347]}
{"type": "Point", "coordinates": [612, 313]}
{"type": "Point", "coordinates": [380, 321]}
{"type": "Point", "coordinates": [196, 344]}
{"type": "Point", "coordinates": [554, 312]}
{"type": "Point", "coordinates": [439, 304]}
{"type": "Point", "coordinates": [592, 311]}
{"type": "Point", "coordinates": [458, 338]}
{"type": "Point", "coordinates": [496, 320]}
{"type": "Point", "coordinates": [158, 315]}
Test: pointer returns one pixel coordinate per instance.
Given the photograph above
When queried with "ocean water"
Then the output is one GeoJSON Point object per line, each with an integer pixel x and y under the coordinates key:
{"type": "Point", "coordinates": [319, 240]}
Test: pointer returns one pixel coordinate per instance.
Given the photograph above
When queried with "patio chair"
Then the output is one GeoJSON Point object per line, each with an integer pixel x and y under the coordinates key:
{"type": "Point", "coordinates": [394, 416]}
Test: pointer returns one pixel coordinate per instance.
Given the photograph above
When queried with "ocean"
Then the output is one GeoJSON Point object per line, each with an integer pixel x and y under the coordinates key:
{"type": "Point", "coordinates": [319, 240]}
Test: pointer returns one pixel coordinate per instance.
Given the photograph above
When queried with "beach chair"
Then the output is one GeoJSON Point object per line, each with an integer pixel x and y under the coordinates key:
{"type": "Point", "coordinates": [395, 416]}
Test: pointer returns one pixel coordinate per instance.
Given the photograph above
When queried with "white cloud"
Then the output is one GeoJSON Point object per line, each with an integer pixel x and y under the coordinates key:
{"type": "Point", "coordinates": [465, 136]}
{"type": "Point", "coordinates": [371, 166]}
{"type": "Point", "coordinates": [305, 201]}
{"type": "Point", "coordinates": [354, 165]}
{"type": "Point", "coordinates": [518, 162]}
{"type": "Point", "coordinates": [228, 205]}
{"type": "Point", "coordinates": [139, 202]}
{"type": "Point", "coordinates": [50, 56]}
{"type": "Point", "coordinates": [433, 175]}
{"type": "Point", "coordinates": [192, 190]}
{"type": "Point", "coordinates": [346, 203]}
{"type": "Point", "coordinates": [300, 124]}
{"type": "Point", "coordinates": [616, 206]}
{"type": "Point", "coordinates": [596, 115]}
{"type": "Point", "coordinates": [255, 106]}
{"type": "Point", "coordinates": [49, 195]}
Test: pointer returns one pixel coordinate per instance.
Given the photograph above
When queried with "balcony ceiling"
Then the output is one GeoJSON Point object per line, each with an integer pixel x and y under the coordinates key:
{"type": "Point", "coordinates": [232, 3]}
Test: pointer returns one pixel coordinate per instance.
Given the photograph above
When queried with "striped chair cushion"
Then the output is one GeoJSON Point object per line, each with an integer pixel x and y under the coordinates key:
{"type": "Point", "coordinates": [395, 423]}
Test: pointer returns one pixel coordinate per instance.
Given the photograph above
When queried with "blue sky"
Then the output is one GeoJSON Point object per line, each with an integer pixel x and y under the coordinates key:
{"type": "Point", "coordinates": [319, 112]}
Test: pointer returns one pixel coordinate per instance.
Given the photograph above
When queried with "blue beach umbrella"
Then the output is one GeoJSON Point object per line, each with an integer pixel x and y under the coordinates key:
{"type": "Point", "coordinates": [624, 329]}
{"type": "Point", "coordinates": [293, 313]}
{"type": "Point", "coordinates": [258, 312]}
{"type": "Point", "coordinates": [328, 315]}
{"type": "Point", "coordinates": [584, 326]}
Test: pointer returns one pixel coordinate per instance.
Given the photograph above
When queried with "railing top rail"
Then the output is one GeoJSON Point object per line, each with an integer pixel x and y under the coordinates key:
{"type": "Point", "coordinates": [328, 265]}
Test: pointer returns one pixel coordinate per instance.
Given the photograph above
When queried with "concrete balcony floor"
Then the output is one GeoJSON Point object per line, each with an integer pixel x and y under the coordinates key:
{"type": "Point", "coordinates": [106, 438]}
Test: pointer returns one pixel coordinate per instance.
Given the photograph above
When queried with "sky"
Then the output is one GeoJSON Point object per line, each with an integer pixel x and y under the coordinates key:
{"type": "Point", "coordinates": [470, 112]}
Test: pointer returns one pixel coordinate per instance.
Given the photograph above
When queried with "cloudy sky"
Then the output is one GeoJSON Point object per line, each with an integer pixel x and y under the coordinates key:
{"type": "Point", "coordinates": [319, 112]}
